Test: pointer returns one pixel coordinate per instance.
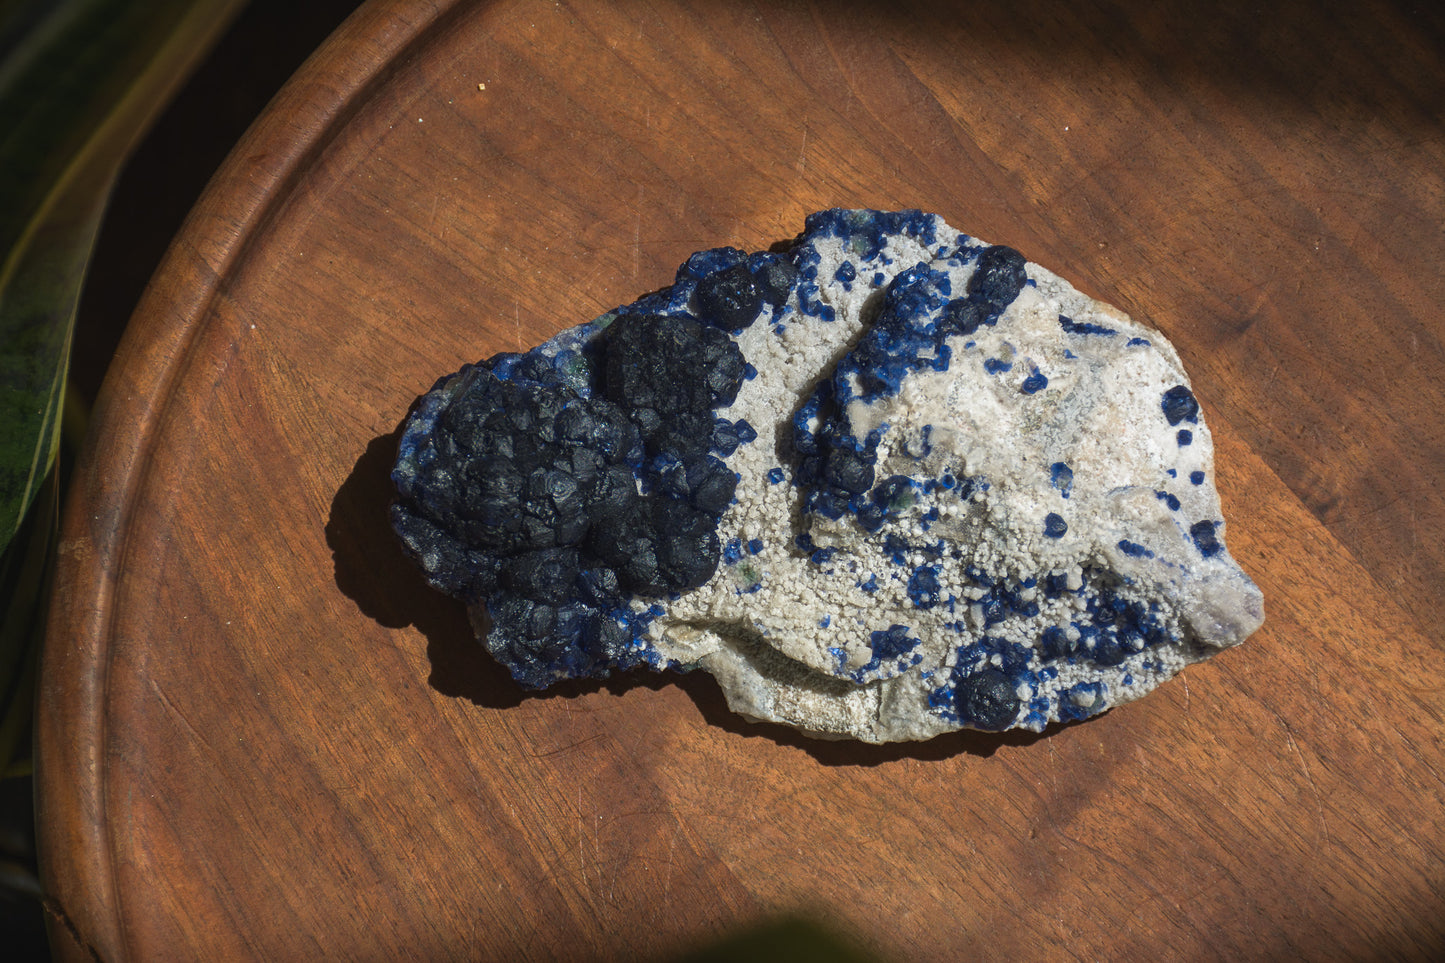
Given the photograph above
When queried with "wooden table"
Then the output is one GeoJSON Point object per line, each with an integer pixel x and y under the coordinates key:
{"type": "Point", "coordinates": [262, 736]}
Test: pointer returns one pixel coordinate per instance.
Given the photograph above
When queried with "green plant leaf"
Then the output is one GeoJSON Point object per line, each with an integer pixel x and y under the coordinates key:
{"type": "Point", "coordinates": [79, 81]}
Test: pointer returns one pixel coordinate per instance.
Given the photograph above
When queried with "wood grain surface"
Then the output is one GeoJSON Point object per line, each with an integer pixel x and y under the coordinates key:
{"type": "Point", "coordinates": [261, 735]}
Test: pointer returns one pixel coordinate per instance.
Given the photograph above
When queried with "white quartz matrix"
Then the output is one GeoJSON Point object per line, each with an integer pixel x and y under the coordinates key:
{"type": "Point", "coordinates": [789, 633]}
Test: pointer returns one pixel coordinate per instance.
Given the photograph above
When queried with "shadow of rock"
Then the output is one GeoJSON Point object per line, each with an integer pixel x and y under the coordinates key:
{"type": "Point", "coordinates": [372, 571]}
{"type": "Point", "coordinates": [705, 693]}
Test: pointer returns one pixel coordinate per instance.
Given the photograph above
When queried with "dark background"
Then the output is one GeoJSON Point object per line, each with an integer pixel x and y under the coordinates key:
{"type": "Point", "coordinates": [157, 189]}
{"type": "Point", "coordinates": [174, 162]}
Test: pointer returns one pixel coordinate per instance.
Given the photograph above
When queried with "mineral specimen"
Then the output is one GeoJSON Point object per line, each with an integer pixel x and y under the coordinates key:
{"type": "Point", "coordinates": [891, 483]}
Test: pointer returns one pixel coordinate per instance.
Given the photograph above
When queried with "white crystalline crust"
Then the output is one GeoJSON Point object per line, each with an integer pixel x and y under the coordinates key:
{"type": "Point", "coordinates": [789, 632]}
{"type": "Point", "coordinates": [774, 649]}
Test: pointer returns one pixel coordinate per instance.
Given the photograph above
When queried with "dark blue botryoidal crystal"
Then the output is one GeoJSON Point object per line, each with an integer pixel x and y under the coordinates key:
{"type": "Point", "coordinates": [556, 488]}
{"type": "Point", "coordinates": [873, 483]}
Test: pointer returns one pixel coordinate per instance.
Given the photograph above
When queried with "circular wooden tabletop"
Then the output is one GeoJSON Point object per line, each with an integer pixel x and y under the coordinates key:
{"type": "Point", "coordinates": [261, 735]}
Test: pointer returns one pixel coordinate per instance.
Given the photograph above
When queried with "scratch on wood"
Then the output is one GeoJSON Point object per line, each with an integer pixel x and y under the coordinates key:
{"type": "Point", "coordinates": [671, 852]}
{"type": "Point", "coordinates": [1385, 505]}
{"type": "Point", "coordinates": [1320, 800]}
{"type": "Point", "coordinates": [1309, 777]}
{"type": "Point", "coordinates": [171, 708]}
{"type": "Point", "coordinates": [571, 745]}
{"type": "Point", "coordinates": [62, 919]}
{"type": "Point", "coordinates": [637, 242]}
{"type": "Point", "coordinates": [581, 839]}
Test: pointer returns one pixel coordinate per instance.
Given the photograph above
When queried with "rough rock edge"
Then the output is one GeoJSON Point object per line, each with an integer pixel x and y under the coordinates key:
{"type": "Point", "coordinates": [768, 684]}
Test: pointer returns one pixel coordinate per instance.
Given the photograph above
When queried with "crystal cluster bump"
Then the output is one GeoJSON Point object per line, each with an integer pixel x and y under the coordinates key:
{"type": "Point", "coordinates": [893, 482]}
